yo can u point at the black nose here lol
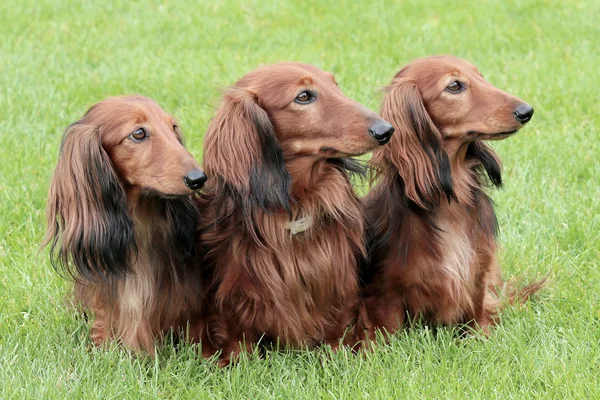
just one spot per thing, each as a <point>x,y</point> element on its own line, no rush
<point>382,131</point>
<point>523,113</point>
<point>195,179</point>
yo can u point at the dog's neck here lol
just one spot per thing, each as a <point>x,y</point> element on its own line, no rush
<point>154,226</point>
<point>143,209</point>
<point>305,173</point>
<point>146,214</point>
<point>464,177</point>
<point>319,189</point>
<point>456,149</point>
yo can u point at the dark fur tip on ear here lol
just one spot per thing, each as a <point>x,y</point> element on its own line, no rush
<point>270,181</point>
<point>489,161</point>
<point>89,228</point>
<point>274,197</point>
<point>103,248</point>
<point>445,175</point>
<point>96,252</point>
<point>111,236</point>
<point>431,140</point>
<point>416,150</point>
<point>242,152</point>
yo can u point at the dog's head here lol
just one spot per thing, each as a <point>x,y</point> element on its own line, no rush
<point>461,103</point>
<point>122,146</point>
<point>439,103</point>
<point>143,143</point>
<point>282,112</point>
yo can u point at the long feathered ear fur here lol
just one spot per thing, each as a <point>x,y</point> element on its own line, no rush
<point>416,149</point>
<point>241,149</point>
<point>88,227</point>
<point>489,161</point>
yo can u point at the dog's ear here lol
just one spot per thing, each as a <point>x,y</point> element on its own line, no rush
<point>489,160</point>
<point>415,150</point>
<point>241,149</point>
<point>88,227</point>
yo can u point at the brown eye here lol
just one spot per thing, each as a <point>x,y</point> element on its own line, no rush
<point>305,97</point>
<point>138,135</point>
<point>455,87</point>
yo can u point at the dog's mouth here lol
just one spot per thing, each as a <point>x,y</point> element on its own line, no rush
<point>156,194</point>
<point>491,136</point>
<point>331,152</point>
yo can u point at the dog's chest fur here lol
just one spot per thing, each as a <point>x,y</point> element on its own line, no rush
<point>436,277</point>
<point>310,281</point>
<point>297,287</point>
<point>457,248</point>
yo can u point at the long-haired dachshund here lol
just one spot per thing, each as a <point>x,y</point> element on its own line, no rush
<point>433,228</point>
<point>284,227</point>
<point>122,221</point>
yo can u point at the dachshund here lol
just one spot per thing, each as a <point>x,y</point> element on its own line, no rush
<point>432,228</point>
<point>283,227</point>
<point>122,222</point>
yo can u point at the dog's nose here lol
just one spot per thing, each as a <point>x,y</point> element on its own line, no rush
<point>195,179</point>
<point>382,131</point>
<point>523,113</point>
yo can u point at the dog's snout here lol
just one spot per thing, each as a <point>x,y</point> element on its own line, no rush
<point>523,113</point>
<point>382,131</point>
<point>195,179</point>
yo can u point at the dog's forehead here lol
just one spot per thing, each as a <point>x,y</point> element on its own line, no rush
<point>440,66</point>
<point>288,74</point>
<point>130,105</point>
<point>149,111</point>
<point>468,67</point>
<point>320,74</point>
<point>317,79</point>
<point>461,67</point>
<point>129,110</point>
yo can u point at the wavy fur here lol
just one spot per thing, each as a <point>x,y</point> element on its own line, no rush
<point>432,227</point>
<point>123,225</point>
<point>274,161</point>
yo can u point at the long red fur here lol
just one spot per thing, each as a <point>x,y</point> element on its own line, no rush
<point>433,248</point>
<point>122,223</point>
<point>274,161</point>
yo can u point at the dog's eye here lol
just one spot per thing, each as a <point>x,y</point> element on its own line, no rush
<point>305,97</point>
<point>138,135</point>
<point>455,87</point>
<point>175,127</point>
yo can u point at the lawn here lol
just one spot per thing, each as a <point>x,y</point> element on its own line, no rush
<point>57,58</point>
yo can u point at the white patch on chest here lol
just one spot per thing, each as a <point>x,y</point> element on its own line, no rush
<point>137,294</point>
<point>457,250</point>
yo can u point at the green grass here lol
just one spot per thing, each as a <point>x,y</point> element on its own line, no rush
<point>58,57</point>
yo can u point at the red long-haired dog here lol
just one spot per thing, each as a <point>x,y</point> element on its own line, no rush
<point>433,246</point>
<point>284,227</point>
<point>122,221</point>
